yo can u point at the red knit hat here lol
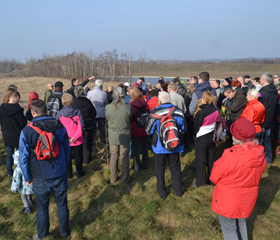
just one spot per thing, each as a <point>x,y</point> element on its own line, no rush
<point>136,85</point>
<point>243,129</point>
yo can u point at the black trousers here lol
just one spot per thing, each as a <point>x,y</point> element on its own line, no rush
<point>87,145</point>
<point>78,155</point>
<point>205,155</point>
<point>175,170</point>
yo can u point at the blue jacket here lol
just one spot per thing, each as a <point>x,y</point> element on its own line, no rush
<point>27,143</point>
<point>152,128</point>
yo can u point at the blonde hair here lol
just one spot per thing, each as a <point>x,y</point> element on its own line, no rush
<point>209,99</point>
<point>191,88</point>
<point>66,99</point>
<point>136,94</point>
<point>173,86</point>
<point>254,93</point>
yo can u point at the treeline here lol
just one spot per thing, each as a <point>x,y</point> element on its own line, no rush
<point>106,65</point>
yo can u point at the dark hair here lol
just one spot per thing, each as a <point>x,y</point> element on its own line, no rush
<point>164,87</point>
<point>257,79</point>
<point>12,87</point>
<point>181,86</point>
<point>73,80</point>
<point>15,94</point>
<point>121,85</point>
<point>205,76</point>
<point>154,93</point>
<point>58,88</point>
<point>38,106</point>
<point>175,80</point>
<point>142,78</point>
<point>218,82</point>
<point>194,78</point>
<point>246,76</point>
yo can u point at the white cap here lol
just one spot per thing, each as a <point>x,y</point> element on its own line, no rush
<point>127,84</point>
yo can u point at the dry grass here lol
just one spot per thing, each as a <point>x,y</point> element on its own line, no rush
<point>99,210</point>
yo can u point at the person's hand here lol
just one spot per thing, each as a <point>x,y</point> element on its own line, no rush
<point>72,140</point>
<point>91,78</point>
<point>224,100</point>
<point>30,182</point>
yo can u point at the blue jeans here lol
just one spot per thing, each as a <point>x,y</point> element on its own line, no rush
<point>9,162</point>
<point>265,141</point>
<point>42,191</point>
<point>234,228</point>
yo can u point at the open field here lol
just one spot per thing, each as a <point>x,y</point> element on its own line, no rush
<point>99,210</point>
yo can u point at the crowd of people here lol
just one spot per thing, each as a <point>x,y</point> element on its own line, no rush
<point>164,118</point>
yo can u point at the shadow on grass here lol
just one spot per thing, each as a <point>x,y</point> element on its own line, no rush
<point>268,188</point>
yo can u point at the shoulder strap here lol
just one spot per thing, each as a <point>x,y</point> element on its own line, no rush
<point>38,130</point>
<point>170,113</point>
<point>74,120</point>
<point>172,110</point>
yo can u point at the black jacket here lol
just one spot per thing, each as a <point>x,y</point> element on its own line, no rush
<point>72,88</point>
<point>12,122</point>
<point>87,109</point>
<point>269,100</point>
<point>236,105</point>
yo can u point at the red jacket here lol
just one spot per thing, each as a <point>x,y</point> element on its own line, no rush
<point>135,130</point>
<point>255,113</point>
<point>237,175</point>
<point>153,103</point>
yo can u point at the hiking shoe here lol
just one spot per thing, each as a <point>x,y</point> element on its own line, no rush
<point>27,211</point>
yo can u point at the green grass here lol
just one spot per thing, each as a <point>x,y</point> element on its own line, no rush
<point>99,210</point>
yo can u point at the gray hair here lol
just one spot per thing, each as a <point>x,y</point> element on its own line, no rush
<point>277,74</point>
<point>98,83</point>
<point>79,91</point>
<point>118,96</point>
<point>268,77</point>
<point>164,97</point>
<point>240,142</point>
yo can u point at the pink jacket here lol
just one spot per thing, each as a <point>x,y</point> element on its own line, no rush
<point>72,120</point>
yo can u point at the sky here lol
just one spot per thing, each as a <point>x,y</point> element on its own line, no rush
<point>158,29</point>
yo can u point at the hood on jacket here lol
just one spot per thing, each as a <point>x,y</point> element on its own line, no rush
<point>204,86</point>
<point>16,157</point>
<point>32,96</point>
<point>140,103</point>
<point>68,111</point>
<point>10,109</point>
<point>47,123</point>
<point>270,88</point>
<point>251,154</point>
<point>238,91</point>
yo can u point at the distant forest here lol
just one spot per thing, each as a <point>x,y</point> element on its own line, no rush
<point>111,65</point>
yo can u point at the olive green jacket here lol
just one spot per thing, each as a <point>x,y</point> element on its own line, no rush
<point>119,123</point>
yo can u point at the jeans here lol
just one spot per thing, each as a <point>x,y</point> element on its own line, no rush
<point>101,128</point>
<point>266,142</point>
<point>42,190</point>
<point>234,228</point>
<point>9,162</point>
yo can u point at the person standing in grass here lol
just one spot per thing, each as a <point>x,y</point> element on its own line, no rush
<point>47,177</point>
<point>12,122</point>
<point>48,92</point>
<point>237,175</point>
<point>118,115</point>
<point>161,153</point>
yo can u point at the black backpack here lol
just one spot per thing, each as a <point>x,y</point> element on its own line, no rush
<point>53,106</point>
<point>142,116</point>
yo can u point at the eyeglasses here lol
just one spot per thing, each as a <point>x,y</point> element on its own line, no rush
<point>275,77</point>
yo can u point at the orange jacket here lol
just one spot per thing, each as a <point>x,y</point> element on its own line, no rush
<point>255,113</point>
<point>237,175</point>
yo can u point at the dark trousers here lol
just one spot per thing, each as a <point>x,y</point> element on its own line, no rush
<point>42,190</point>
<point>135,151</point>
<point>101,128</point>
<point>205,155</point>
<point>188,136</point>
<point>175,170</point>
<point>87,145</point>
<point>78,155</point>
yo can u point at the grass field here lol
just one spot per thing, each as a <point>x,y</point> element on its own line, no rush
<point>99,210</point>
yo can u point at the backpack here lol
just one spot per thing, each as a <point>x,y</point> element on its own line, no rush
<point>168,130</point>
<point>220,130</point>
<point>142,116</point>
<point>53,106</point>
<point>46,147</point>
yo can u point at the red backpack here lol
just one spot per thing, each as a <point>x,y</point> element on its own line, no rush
<point>46,148</point>
<point>168,130</point>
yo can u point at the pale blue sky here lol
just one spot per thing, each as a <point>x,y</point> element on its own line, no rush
<point>184,30</point>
